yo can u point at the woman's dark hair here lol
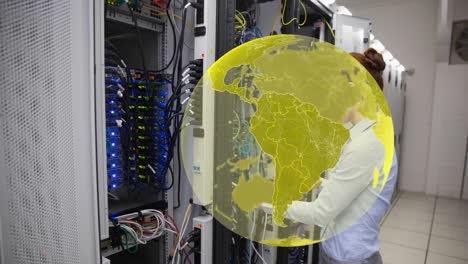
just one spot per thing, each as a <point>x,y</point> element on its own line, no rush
<point>373,62</point>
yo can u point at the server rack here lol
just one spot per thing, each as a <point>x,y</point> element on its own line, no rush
<point>225,42</point>
<point>130,96</point>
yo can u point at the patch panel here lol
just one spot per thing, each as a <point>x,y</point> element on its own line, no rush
<point>148,153</point>
<point>114,141</point>
<point>150,14</point>
<point>136,132</point>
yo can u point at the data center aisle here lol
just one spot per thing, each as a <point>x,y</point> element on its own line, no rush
<point>423,229</point>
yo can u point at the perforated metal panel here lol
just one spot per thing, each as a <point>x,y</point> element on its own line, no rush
<point>38,207</point>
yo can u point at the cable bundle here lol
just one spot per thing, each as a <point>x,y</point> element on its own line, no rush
<point>139,228</point>
<point>181,78</point>
<point>246,30</point>
<point>136,125</point>
<point>180,242</point>
<point>117,78</point>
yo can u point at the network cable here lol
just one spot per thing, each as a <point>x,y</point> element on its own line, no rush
<point>294,18</point>
<point>143,226</point>
<point>135,122</point>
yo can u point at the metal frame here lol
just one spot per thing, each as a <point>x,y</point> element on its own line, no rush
<point>320,7</point>
<point>225,28</point>
<point>100,118</point>
<point>87,208</point>
<point>168,195</point>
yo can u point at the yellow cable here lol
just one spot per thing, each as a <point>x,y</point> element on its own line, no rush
<point>242,17</point>
<point>184,222</point>
<point>282,15</point>
<point>240,21</point>
<point>329,27</point>
<point>294,18</point>
<point>305,13</point>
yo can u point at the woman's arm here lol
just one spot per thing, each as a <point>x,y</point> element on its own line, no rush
<point>350,177</point>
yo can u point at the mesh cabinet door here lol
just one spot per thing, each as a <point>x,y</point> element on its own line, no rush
<point>48,209</point>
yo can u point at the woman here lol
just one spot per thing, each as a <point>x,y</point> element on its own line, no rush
<point>338,209</point>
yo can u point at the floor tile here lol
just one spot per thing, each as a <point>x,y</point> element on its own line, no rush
<point>406,223</point>
<point>452,207</point>
<point>452,202</point>
<point>426,207</point>
<point>450,232</point>
<point>451,220</point>
<point>448,247</point>
<point>454,211</point>
<point>433,258</point>
<point>404,237</point>
<point>413,214</point>
<point>397,254</point>
<point>415,203</point>
<point>405,231</point>
<point>417,196</point>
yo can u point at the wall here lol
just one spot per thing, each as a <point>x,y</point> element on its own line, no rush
<point>449,131</point>
<point>407,29</point>
<point>461,10</point>
<point>450,115</point>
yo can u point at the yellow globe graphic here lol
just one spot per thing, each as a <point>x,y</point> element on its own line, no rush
<point>279,107</point>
